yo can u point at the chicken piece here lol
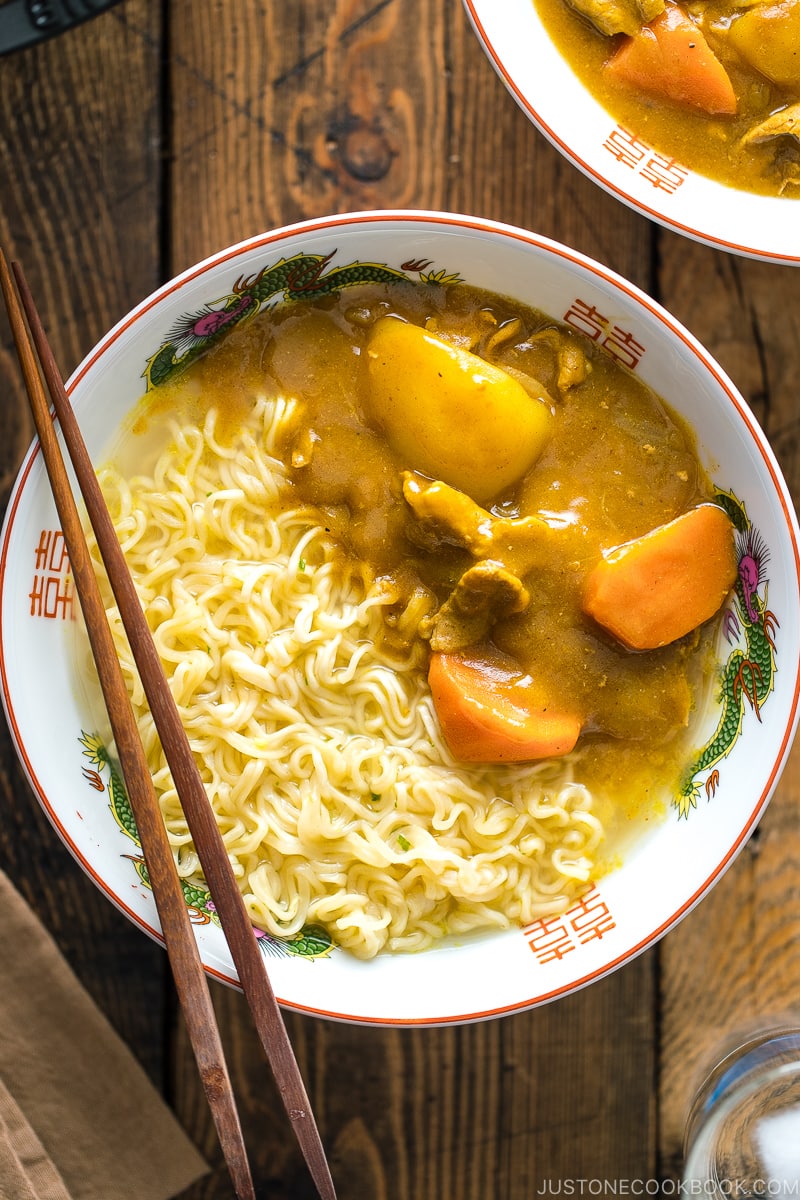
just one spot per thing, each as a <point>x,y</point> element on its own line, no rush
<point>484,593</point>
<point>573,366</point>
<point>618,16</point>
<point>454,515</point>
<point>785,123</point>
<point>790,174</point>
<point>506,549</point>
<point>519,543</point>
<point>782,128</point>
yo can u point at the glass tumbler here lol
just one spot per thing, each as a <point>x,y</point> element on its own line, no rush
<point>743,1129</point>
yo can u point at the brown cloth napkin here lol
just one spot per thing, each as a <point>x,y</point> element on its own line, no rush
<point>79,1119</point>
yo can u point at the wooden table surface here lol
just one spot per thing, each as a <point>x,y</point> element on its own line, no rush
<point>156,134</point>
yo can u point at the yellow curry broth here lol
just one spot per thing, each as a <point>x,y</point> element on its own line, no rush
<point>617,464</point>
<point>714,146</point>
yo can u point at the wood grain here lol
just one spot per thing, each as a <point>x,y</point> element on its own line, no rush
<point>79,208</point>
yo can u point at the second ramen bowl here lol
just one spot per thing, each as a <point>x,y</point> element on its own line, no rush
<point>745,735</point>
<point>620,156</point>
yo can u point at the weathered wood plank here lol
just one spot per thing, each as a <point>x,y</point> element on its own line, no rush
<point>79,209</point>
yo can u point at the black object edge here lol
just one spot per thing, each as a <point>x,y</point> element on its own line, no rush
<point>26,22</point>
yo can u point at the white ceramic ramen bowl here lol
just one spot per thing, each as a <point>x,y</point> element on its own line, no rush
<point>618,158</point>
<point>667,870</point>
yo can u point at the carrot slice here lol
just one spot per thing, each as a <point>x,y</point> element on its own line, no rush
<point>490,714</point>
<point>671,58</point>
<point>655,589</point>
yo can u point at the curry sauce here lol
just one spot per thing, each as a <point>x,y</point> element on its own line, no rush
<point>615,463</point>
<point>755,147</point>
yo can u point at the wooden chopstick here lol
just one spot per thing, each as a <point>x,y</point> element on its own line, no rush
<point>187,968</point>
<point>199,815</point>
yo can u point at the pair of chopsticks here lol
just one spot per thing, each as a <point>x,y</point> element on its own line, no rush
<point>190,979</point>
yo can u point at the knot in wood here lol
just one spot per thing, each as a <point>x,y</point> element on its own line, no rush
<point>366,154</point>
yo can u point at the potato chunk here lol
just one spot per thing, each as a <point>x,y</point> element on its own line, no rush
<point>768,37</point>
<point>451,415</point>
